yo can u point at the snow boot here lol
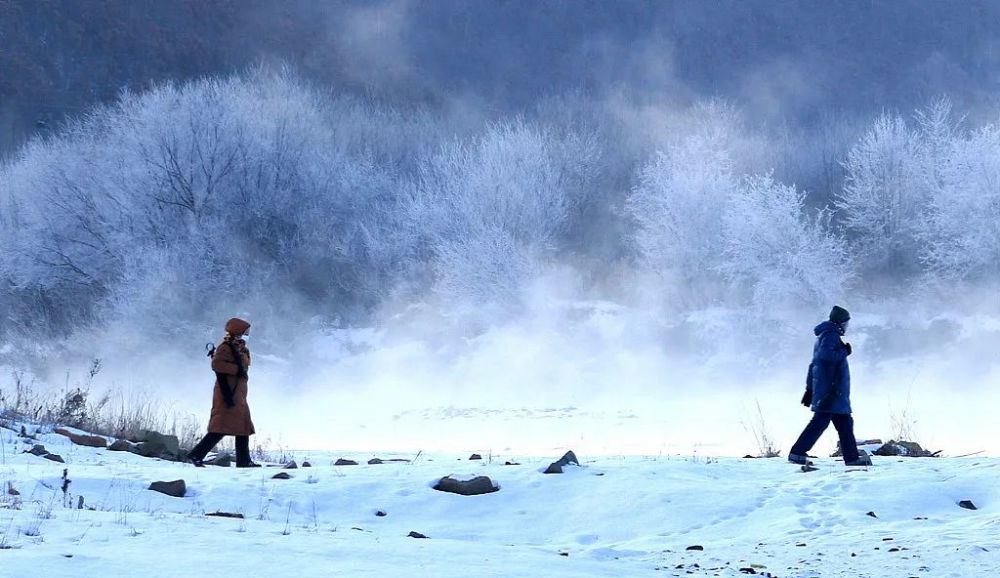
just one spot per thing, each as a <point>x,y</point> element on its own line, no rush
<point>797,459</point>
<point>863,460</point>
<point>247,465</point>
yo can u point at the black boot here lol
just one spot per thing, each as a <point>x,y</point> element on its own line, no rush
<point>196,455</point>
<point>243,453</point>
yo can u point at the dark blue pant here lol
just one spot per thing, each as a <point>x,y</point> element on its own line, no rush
<point>820,421</point>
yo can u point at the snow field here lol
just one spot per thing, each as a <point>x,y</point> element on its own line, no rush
<point>624,516</point>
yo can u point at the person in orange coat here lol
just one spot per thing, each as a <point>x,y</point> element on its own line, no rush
<point>230,411</point>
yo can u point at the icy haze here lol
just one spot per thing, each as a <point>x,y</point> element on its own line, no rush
<point>524,225</point>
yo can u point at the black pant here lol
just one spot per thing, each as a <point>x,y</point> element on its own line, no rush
<point>815,428</point>
<point>208,442</point>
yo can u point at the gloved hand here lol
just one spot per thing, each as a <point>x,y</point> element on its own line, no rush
<point>849,349</point>
<point>807,397</point>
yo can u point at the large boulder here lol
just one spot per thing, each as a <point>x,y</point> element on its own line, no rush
<point>154,444</point>
<point>902,448</point>
<point>345,462</point>
<point>474,487</point>
<point>556,467</point>
<point>176,488</point>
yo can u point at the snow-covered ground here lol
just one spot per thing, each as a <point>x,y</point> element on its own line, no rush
<point>614,516</point>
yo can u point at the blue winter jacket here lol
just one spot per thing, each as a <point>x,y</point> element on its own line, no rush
<point>829,375</point>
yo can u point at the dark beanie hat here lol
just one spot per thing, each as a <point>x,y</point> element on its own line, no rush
<point>839,315</point>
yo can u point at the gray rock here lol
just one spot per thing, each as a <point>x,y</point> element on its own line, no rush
<point>155,444</point>
<point>968,505</point>
<point>696,548</point>
<point>343,462</point>
<point>557,466</point>
<point>281,476</point>
<point>38,450</point>
<point>417,535</point>
<point>176,488</point>
<point>306,465</point>
<point>474,487</point>
<point>55,458</point>
<point>475,457</point>
<point>903,448</point>
<point>374,462</point>
<point>291,465</point>
<point>223,460</point>
<point>224,515</point>
<point>119,446</point>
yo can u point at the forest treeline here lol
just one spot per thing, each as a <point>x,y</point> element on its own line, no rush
<point>261,191</point>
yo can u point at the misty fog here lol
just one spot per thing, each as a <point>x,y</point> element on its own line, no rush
<point>520,226</point>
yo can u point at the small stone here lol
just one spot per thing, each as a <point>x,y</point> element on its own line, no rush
<point>306,465</point>
<point>511,464</point>
<point>967,504</point>
<point>224,515</point>
<point>475,457</point>
<point>380,514</point>
<point>54,458</point>
<point>416,535</point>
<point>291,465</point>
<point>872,514</point>
<point>695,548</point>
<point>281,476</point>
<point>374,462</point>
<point>176,488</point>
<point>748,571</point>
<point>343,462</point>
<point>564,554</point>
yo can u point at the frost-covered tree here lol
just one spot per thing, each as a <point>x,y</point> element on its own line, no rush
<point>679,202</point>
<point>256,188</point>
<point>884,199</point>
<point>776,250</point>
<point>492,209</point>
<point>963,231</point>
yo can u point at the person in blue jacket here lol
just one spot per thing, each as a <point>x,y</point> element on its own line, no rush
<point>828,392</point>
